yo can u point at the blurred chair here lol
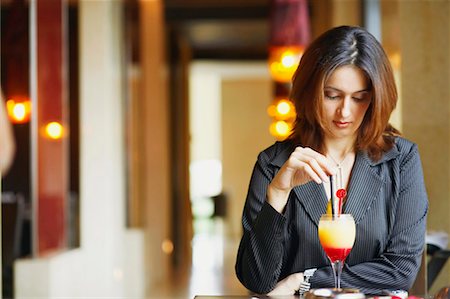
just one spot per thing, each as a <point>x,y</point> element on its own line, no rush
<point>437,259</point>
<point>73,220</point>
<point>419,287</point>
<point>220,205</point>
<point>13,216</point>
<point>433,261</point>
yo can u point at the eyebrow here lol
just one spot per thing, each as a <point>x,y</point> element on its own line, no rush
<point>338,90</point>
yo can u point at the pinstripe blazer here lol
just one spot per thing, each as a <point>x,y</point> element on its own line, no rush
<point>387,199</point>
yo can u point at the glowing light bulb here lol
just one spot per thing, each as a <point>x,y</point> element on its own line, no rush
<point>288,59</point>
<point>283,62</point>
<point>280,129</point>
<point>18,110</point>
<point>54,130</point>
<point>167,246</point>
<point>283,107</point>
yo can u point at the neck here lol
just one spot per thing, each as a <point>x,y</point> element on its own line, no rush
<point>339,148</point>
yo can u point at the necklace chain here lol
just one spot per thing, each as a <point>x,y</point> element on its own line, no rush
<point>340,175</point>
<point>339,165</point>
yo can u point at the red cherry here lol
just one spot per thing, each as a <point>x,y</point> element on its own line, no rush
<point>341,193</point>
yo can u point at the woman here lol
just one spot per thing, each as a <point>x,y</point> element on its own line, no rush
<point>344,92</point>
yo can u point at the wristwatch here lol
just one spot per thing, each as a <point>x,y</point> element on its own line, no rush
<point>305,285</point>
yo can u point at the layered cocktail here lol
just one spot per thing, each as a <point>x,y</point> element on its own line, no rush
<point>337,235</point>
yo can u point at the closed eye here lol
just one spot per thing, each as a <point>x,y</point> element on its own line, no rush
<point>361,99</point>
<point>361,96</point>
<point>332,97</point>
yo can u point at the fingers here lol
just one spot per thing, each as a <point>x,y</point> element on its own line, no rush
<point>315,165</point>
<point>304,165</point>
<point>313,170</point>
<point>325,164</point>
<point>288,286</point>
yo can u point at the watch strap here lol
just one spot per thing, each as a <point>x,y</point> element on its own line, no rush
<point>305,285</point>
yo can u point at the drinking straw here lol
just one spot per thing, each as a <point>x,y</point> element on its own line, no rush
<point>333,213</point>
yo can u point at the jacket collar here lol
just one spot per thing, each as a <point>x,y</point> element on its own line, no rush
<point>364,186</point>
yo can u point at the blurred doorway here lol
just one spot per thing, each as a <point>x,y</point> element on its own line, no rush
<point>228,128</point>
<point>230,41</point>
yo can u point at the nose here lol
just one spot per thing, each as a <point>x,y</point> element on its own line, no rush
<point>344,109</point>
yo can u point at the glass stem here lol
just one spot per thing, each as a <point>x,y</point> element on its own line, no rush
<point>337,270</point>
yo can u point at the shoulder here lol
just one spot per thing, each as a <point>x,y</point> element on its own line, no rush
<point>403,153</point>
<point>407,149</point>
<point>402,150</point>
<point>404,146</point>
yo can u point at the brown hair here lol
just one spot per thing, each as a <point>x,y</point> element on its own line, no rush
<point>337,47</point>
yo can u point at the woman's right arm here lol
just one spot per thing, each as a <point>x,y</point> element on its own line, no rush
<point>258,264</point>
<point>260,253</point>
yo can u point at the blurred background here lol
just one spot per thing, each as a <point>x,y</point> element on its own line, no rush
<point>137,123</point>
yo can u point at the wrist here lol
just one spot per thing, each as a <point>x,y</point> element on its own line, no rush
<point>309,273</point>
<point>277,198</point>
<point>305,285</point>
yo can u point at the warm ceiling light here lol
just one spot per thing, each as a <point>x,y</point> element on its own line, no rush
<point>289,35</point>
<point>19,110</point>
<point>280,129</point>
<point>167,246</point>
<point>54,130</point>
<point>283,62</point>
<point>282,109</point>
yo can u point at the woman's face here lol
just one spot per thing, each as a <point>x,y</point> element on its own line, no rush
<point>347,96</point>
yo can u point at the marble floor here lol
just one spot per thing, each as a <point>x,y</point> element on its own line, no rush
<point>212,270</point>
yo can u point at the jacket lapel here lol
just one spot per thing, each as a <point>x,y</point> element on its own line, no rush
<point>364,187</point>
<point>313,198</point>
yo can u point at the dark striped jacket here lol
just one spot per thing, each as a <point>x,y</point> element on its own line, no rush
<point>387,199</point>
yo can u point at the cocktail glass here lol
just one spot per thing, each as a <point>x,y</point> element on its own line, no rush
<point>337,235</point>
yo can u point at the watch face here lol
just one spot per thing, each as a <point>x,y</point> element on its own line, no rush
<point>309,272</point>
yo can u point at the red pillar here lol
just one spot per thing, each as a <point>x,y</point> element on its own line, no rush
<point>49,154</point>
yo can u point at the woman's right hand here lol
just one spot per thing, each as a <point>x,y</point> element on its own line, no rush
<point>304,165</point>
<point>288,286</point>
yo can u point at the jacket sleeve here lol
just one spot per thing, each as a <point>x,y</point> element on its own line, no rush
<point>260,253</point>
<point>399,264</point>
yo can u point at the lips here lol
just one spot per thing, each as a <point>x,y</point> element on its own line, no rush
<point>342,124</point>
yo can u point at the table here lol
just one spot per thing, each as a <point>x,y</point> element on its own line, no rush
<point>247,297</point>
<point>436,263</point>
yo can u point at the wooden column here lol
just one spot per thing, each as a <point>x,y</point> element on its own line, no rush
<point>425,48</point>
<point>182,226</point>
<point>49,152</point>
<point>155,127</point>
<point>326,14</point>
<point>390,32</point>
